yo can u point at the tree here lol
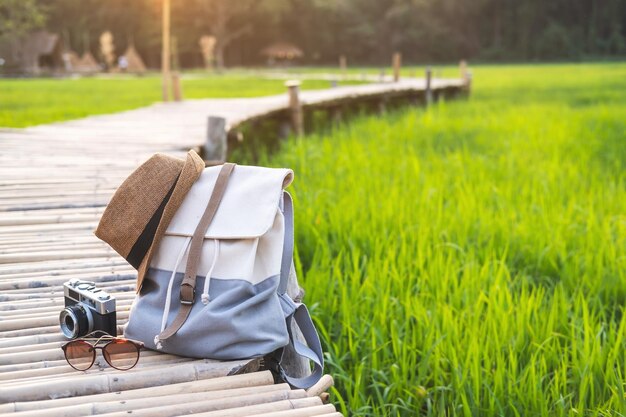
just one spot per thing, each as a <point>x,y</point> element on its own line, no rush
<point>225,21</point>
<point>18,17</point>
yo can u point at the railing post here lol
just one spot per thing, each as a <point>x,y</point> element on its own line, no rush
<point>343,65</point>
<point>468,83</point>
<point>397,62</point>
<point>466,77</point>
<point>382,105</point>
<point>336,116</point>
<point>463,71</point>
<point>216,144</point>
<point>429,89</point>
<point>295,107</point>
<point>165,54</point>
<point>176,87</point>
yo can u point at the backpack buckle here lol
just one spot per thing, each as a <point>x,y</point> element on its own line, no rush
<point>187,293</point>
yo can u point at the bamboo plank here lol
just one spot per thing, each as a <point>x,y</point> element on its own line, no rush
<point>264,408</point>
<point>205,385</point>
<point>122,381</point>
<point>42,321</point>
<point>321,386</point>
<point>31,340</point>
<point>93,408</point>
<point>25,373</point>
<point>318,410</point>
<point>122,305</point>
<point>211,405</point>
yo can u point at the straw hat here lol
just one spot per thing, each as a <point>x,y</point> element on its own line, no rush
<point>143,206</point>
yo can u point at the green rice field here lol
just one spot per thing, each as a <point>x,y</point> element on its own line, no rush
<point>27,102</point>
<point>470,260</point>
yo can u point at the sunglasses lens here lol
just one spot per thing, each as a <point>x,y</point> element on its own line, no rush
<point>121,354</point>
<point>80,355</point>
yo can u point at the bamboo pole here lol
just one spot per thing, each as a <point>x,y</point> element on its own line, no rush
<point>53,357</point>
<point>99,274</point>
<point>463,71</point>
<point>396,63</point>
<point>121,381</point>
<point>127,294</point>
<point>321,386</point>
<point>212,405</point>
<point>325,397</point>
<point>216,145</point>
<point>102,277</point>
<point>61,368</point>
<point>34,310</point>
<point>343,66</point>
<point>122,305</point>
<point>29,348</point>
<point>42,321</point>
<point>165,58</point>
<point>263,408</point>
<point>43,256</point>
<point>176,86</point>
<point>29,332</point>
<point>429,89</point>
<point>31,340</point>
<point>222,383</point>
<point>295,107</point>
<point>93,408</point>
<point>317,410</point>
<point>60,265</point>
<point>124,284</point>
<point>147,359</point>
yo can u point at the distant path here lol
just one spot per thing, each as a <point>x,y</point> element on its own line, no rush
<point>55,181</point>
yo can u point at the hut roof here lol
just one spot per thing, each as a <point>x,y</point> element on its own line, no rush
<point>71,60</point>
<point>23,53</point>
<point>41,42</point>
<point>135,63</point>
<point>282,50</point>
<point>74,63</point>
<point>89,62</point>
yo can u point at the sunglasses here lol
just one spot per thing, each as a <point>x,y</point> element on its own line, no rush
<point>121,354</point>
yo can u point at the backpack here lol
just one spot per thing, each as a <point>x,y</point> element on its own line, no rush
<point>217,283</point>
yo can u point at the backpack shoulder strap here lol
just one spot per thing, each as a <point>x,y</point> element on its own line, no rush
<point>312,350</point>
<point>285,266</point>
<point>188,286</point>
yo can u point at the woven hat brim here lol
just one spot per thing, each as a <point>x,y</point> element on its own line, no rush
<point>194,165</point>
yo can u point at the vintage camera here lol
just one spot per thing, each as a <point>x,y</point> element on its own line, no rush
<point>87,309</point>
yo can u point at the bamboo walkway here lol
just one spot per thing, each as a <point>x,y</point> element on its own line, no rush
<point>55,181</point>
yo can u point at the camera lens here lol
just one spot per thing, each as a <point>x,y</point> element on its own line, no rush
<point>75,321</point>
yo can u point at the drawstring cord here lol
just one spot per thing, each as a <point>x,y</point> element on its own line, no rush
<point>205,292</point>
<point>168,298</point>
<point>207,280</point>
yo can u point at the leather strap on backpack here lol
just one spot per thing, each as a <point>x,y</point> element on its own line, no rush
<point>188,286</point>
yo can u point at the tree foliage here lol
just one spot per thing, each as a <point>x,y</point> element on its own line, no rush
<point>366,31</point>
<point>18,17</point>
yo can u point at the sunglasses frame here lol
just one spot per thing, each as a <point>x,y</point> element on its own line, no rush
<point>93,347</point>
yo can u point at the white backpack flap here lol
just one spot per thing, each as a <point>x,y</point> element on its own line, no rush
<point>240,309</point>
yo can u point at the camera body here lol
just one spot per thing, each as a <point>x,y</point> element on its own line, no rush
<point>87,309</point>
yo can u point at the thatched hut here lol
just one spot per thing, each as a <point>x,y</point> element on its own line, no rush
<point>33,53</point>
<point>88,64</point>
<point>70,60</point>
<point>83,65</point>
<point>134,63</point>
<point>282,52</point>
